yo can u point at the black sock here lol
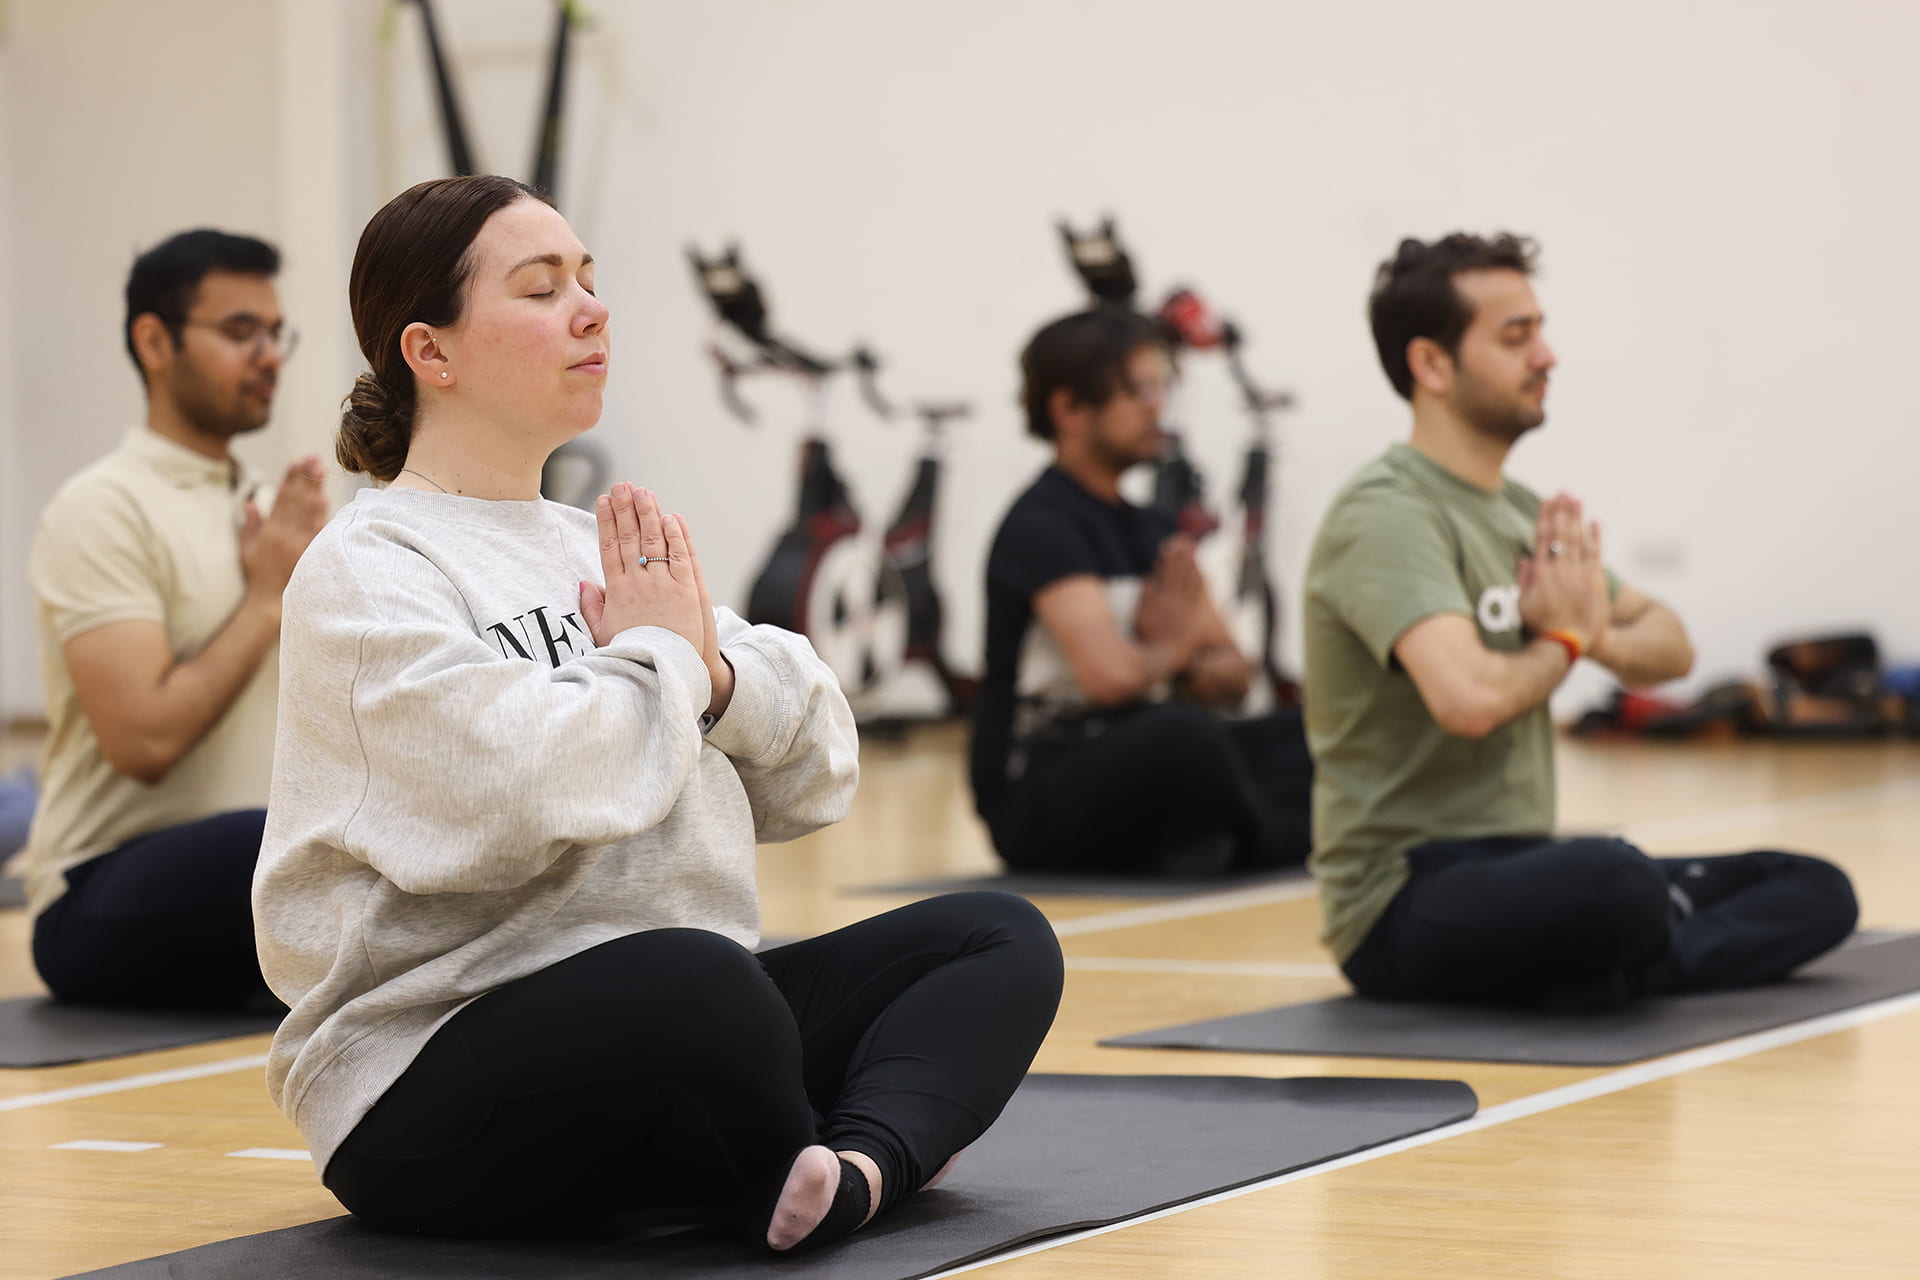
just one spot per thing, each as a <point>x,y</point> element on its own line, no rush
<point>851,1199</point>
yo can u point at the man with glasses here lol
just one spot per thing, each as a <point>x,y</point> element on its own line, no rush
<point>159,579</point>
<point>1097,740</point>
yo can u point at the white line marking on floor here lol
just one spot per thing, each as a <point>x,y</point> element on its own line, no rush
<point>1520,1108</point>
<point>1205,904</point>
<point>270,1153</point>
<point>1214,968</point>
<point>147,1080</point>
<point>1235,899</point>
<point>104,1144</point>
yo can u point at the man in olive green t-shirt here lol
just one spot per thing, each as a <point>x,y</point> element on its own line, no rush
<point>1444,604</point>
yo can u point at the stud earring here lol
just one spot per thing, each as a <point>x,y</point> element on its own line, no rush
<point>443,373</point>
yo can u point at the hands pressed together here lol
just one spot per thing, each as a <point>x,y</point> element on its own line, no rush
<point>1172,609</point>
<point>272,544</point>
<point>1563,584</point>
<point>653,579</point>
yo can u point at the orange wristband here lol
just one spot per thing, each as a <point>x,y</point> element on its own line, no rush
<point>1566,640</point>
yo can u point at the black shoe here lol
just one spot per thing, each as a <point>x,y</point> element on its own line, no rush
<point>1698,883</point>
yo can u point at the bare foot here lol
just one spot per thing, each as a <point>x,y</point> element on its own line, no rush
<point>805,1198</point>
<point>865,1164</point>
<point>945,1169</point>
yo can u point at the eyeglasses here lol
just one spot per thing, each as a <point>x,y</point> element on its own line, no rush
<point>1151,391</point>
<point>253,334</point>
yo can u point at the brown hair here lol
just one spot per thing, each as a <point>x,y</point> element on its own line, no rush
<point>1414,296</point>
<point>413,264</point>
<point>1087,353</point>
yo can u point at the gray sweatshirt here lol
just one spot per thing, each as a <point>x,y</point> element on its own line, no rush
<point>466,790</point>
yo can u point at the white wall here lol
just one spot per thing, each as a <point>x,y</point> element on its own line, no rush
<point>1725,192</point>
<point>120,124</point>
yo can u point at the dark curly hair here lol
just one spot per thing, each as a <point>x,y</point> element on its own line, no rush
<point>1414,295</point>
<point>1087,353</point>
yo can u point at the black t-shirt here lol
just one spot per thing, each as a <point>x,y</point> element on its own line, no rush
<point>1055,530</point>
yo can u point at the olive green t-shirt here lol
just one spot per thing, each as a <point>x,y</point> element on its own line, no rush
<point>1407,540</point>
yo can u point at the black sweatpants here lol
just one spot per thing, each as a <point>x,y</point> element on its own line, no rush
<point>1591,922</point>
<point>1170,788</point>
<point>165,920</point>
<point>674,1068</point>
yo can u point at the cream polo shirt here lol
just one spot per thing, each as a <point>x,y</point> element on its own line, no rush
<point>148,533</point>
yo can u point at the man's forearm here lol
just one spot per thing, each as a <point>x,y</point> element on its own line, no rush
<point>194,694</point>
<point>1472,690</point>
<point>1513,684</point>
<point>1649,650</point>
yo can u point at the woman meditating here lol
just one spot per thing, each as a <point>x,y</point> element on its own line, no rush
<point>507,885</point>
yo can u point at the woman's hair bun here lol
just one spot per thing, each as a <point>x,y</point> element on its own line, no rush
<point>376,426</point>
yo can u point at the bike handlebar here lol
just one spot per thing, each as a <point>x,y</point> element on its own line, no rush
<point>730,374</point>
<point>938,413</point>
<point>740,305</point>
<point>867,366</point>
<point>1258,401</point>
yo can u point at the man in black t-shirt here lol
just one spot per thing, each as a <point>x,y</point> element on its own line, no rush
<point>1097,743</point>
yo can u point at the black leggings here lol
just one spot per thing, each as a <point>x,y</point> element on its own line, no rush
<point>674,1068</point>
<point>1592,922</point>
<point>165,920</point>
<point>1164,789</point>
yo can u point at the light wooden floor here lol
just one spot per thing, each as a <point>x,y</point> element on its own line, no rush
<point>1796,1156</point>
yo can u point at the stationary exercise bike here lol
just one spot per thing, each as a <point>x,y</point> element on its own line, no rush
<point>1250,604</point>
<point>823,579</point>
<point>909,549</point>
<point>578,471</point>
<point>871,612</point>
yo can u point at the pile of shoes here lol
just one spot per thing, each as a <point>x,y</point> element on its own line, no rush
<point>1822,687</point>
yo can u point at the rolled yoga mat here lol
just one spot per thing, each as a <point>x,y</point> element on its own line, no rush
<point>1070,1152</point>
<point>38,1032</point>
<point>1871,966</point>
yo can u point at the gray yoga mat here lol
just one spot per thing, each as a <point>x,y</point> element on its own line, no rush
<point>1870,967</point>
<point>13,893</point>
<point>38,1032</point>
<point>1038,884</point>
<point>1070,1152</point>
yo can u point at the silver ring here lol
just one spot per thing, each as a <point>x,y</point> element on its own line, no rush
<point>644,561</point>
<point>1554,549</point>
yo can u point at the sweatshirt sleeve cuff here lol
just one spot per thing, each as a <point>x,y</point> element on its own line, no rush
<point>671,653</point>
<point>750,726</point>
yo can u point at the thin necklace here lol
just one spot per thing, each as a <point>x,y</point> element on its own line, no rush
<point>409,471</point>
